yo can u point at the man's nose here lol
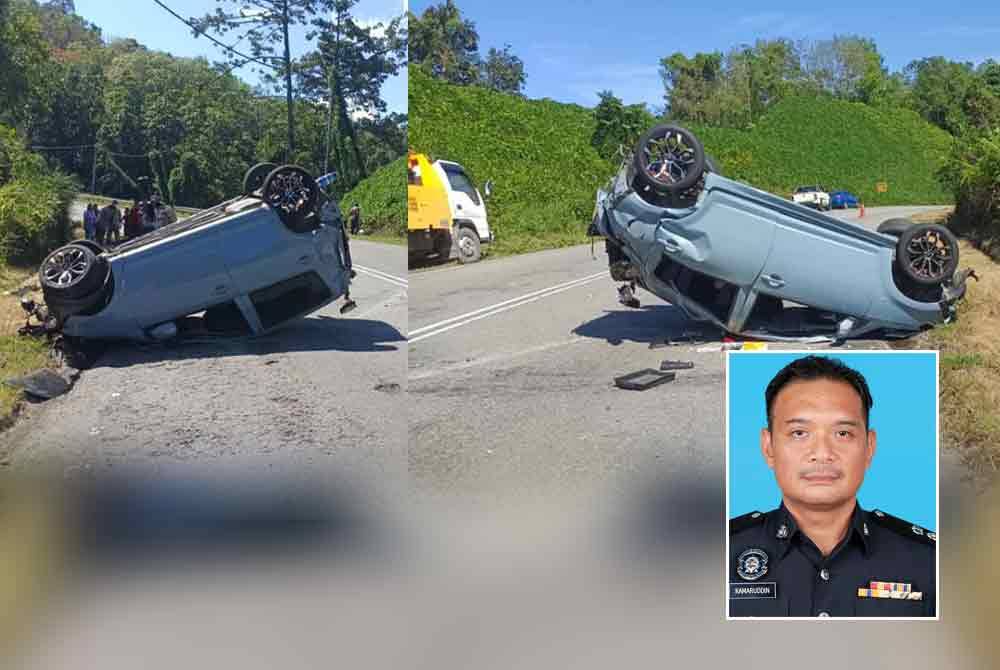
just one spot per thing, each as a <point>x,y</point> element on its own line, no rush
<point>822,449</point>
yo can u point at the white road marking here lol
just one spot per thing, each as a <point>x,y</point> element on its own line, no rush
<point>491,360</point>
<point>492,310</point>
<point>384,276</point>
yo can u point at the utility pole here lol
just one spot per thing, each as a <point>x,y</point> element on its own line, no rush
<point>288,82</point>
<point>93,172</point>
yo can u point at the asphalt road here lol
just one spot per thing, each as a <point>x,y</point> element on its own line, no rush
<point>325,390</point>
<point>511,368</point>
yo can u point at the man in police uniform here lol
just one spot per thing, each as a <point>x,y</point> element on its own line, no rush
<point>819,554</point>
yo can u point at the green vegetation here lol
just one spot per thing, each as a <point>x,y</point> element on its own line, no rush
<point>34,202</point>
<point>839,144</point>
<point>546,169</point>
<point>382,201</point>
<point>973,173</point>
<point>18,356</point>
<point>537,152</point>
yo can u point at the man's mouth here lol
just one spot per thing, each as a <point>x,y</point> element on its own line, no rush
<point>821,477</point>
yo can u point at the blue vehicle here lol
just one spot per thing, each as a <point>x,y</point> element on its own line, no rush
<point>843,200</point>
<point>245,266</point>
<point>757,265</point>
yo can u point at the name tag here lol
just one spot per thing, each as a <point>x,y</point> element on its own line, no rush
<point>745,591</point>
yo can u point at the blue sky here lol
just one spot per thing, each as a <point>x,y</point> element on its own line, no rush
<point>152,26</point>
<point>572,49</point>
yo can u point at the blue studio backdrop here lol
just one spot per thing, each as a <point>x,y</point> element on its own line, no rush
<point>902,479</point>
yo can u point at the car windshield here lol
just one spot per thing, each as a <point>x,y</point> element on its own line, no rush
<point>806,189</point>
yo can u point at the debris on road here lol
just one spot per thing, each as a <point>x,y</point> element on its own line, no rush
<point>388,388</point>
<point>46,383</point>
<point>643,379</point>
<point>675,365</point>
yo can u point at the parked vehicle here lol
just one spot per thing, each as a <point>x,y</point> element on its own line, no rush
<point>250,264</point>
<point>754,264</point>
<point>843,200</point>
<point>446,215</point>
<point>812,196</point>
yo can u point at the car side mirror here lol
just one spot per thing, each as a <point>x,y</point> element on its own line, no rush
<point>488,188</point>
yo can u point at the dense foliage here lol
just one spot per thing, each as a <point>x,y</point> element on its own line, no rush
<point>34,202</point>
<point>547,158</point>
<point>190,126</point>
<point>537,152</point>
<point>382,200</point>
<point>973,172</point>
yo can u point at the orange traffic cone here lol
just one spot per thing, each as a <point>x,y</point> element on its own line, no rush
<point>861,212</point>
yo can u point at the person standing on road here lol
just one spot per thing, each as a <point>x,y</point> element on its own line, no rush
<point>105,219</point>
<point>114,228</point>
<point>149,215</point>
<point>133,227</point>
<point>90,222</point>
<point>355,219</point>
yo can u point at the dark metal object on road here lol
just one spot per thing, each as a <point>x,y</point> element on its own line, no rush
<point>643,379</point>
<point>45,383</point>
<point>676,365</point>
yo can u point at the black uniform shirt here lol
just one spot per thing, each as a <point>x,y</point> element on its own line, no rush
<point>775,570</point>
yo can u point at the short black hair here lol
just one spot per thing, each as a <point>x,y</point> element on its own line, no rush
<point>809,368</point>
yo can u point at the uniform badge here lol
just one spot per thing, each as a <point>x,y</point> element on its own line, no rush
<point>782,532</point>
<point>752,564</point>
<point>893,590</point>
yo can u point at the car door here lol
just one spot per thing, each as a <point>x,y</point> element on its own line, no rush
<point>463,197</point>
<point>820,267</point>
<point>179,275</point>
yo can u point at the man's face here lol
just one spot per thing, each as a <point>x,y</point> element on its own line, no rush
<point>819,448</point>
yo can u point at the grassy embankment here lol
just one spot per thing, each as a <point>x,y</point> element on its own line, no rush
<point>546,172</point>
<point>382,198</point>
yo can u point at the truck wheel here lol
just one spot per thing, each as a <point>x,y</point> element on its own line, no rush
<point>72,272</point>
<point>291,192</point>
<point>468,246</point>
<point>894,227</point>
<point>927,254</point>
<point>668,160</point>
<point>254,177</point>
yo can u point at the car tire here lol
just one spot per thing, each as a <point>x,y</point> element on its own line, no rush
<point>469,249</point>
<point>668,160</point>
<point>927,254</point>
<point>291,192</point>
<point>72,272</point>
<point>253,180</point>
<point>894,227</point>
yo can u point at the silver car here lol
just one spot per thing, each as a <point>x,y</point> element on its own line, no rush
<point>757,265</point>
<point>245,266</point>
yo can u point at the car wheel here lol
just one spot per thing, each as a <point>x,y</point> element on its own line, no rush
<point>927,253</point>
<point>668,160</point>
<point>291,192</point>
<point>894,227</point>
<point>254,177</point>
<point>72,272</point>
<point>468,246</point>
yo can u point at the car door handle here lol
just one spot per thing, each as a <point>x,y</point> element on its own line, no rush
<point>774,281</point>
<point>305,260</point>
<point>671,246</point>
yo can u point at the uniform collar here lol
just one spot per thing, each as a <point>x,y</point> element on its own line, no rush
<point>783,529</point>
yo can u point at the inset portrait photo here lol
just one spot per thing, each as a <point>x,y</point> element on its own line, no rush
<point>832,484</point>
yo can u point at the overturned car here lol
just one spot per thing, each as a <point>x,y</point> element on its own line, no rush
<point>756,265</point>
<point>245,266</point>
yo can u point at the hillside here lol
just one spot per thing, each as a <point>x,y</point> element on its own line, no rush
<point>382,199</point>
<point>546,172</point>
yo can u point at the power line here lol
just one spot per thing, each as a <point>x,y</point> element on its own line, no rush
<point>199,31</point>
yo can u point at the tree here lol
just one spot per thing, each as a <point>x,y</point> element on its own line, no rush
<point>444,44</point>
<point>502,71</point>
<point>348,69</point>
<point>938,88</point>
<point>690,84</point>
<point>270,22</point>
<point>617,125</point>
<point>848,67</point>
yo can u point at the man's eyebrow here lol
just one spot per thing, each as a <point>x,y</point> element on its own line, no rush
<point>841,422</point>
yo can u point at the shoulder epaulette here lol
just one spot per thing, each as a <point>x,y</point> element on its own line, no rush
<point>741,523</point>
<point>904,528</point>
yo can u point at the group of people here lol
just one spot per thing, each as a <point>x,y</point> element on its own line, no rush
<point>108,226</point>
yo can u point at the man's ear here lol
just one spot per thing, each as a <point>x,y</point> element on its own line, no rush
<point>766,448</point>
<point>870,449</point>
